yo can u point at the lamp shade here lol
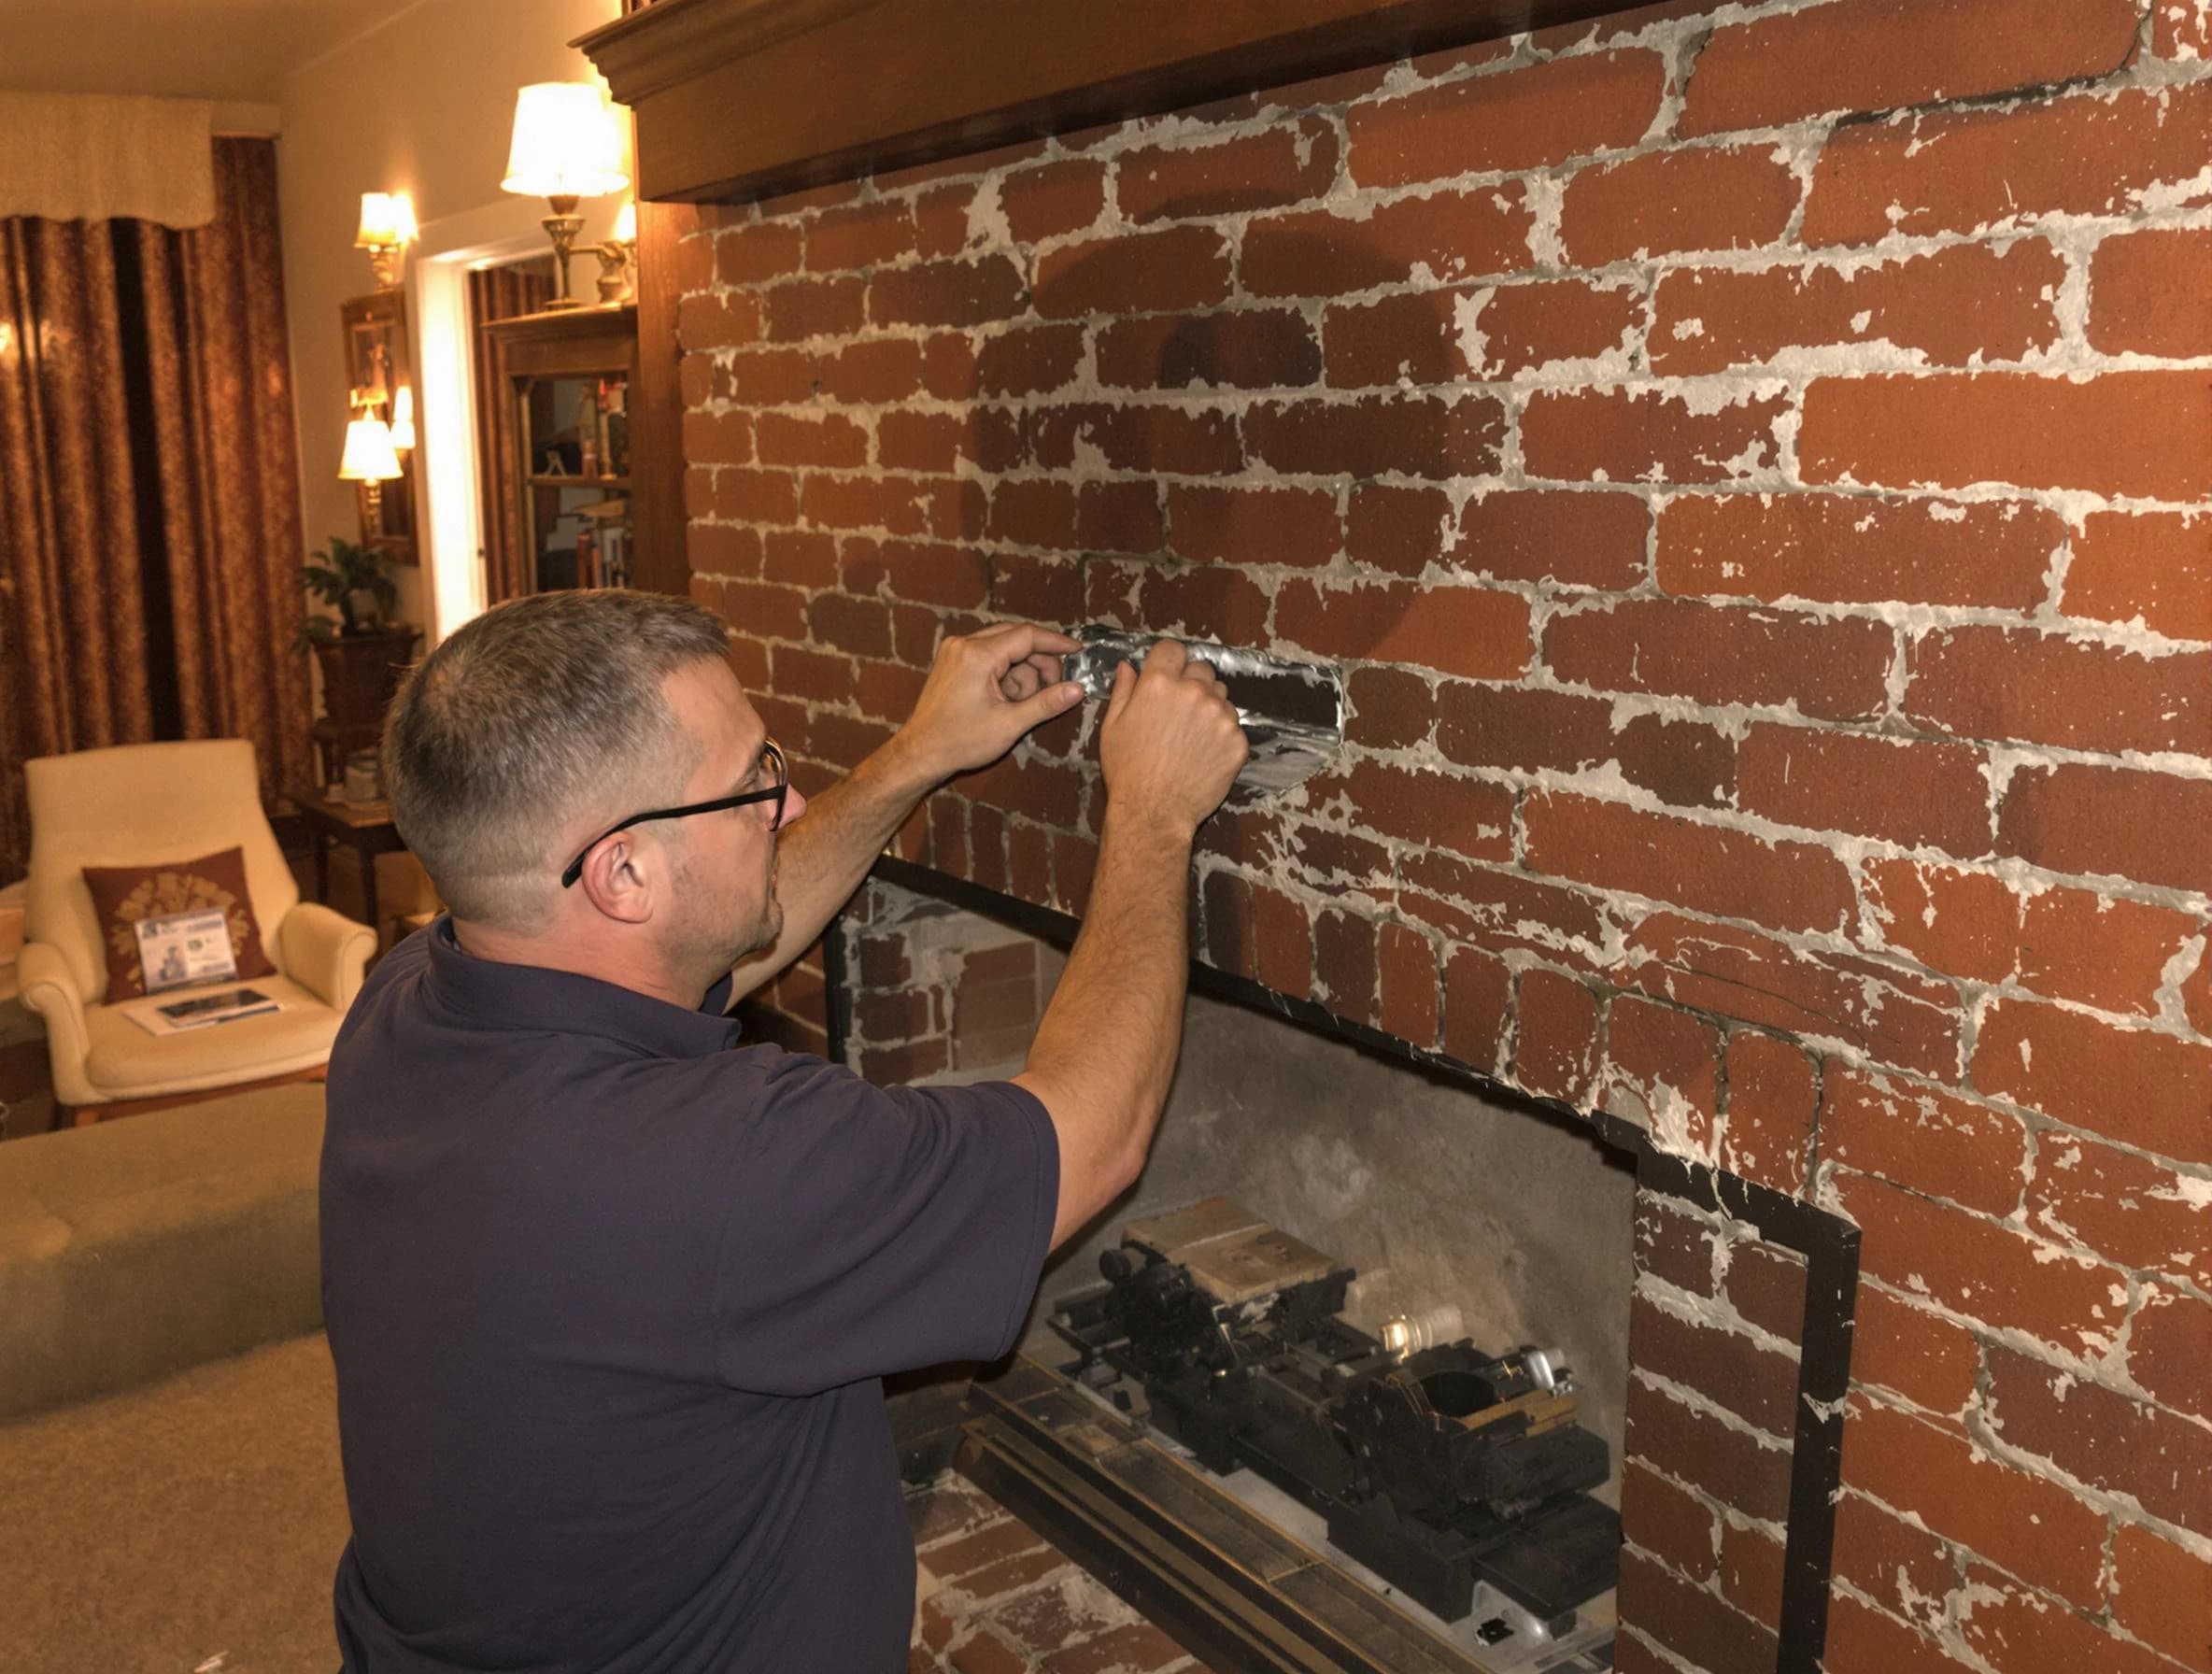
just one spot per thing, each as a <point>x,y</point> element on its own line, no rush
<point>402,417</point>
<point>626,223</point>
<point>368,453</point>
<point>566,143</point>
<point>387,218</point>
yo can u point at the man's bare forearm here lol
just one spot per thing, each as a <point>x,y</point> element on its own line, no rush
<point>1104,1054</point>
<point>821,860</point>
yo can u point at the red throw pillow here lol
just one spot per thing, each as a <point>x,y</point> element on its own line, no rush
<point>123,895</point>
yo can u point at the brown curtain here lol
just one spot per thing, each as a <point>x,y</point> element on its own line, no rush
<point>150,519</point>
<point>500,293</point>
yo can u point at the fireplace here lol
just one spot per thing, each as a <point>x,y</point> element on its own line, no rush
<point>1751,463</point>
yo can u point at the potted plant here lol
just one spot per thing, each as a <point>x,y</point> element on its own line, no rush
<point>356,580</point>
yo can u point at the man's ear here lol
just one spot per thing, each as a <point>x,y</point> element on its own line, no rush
<point>621,877</point>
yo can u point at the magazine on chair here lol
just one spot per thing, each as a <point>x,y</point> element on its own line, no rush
<point>200,1011</point>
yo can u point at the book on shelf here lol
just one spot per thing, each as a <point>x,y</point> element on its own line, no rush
<point>200,1011</point>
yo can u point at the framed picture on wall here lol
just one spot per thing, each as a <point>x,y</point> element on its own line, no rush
<point>381,383</point>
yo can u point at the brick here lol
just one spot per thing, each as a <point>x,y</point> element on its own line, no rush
<point>860,236</point>
<point>1476,1001</point>
<point>2113,955</point>
<point>942,220</point>
<point>1132,1648</point>
<point>2077,819</point>
<point>1399,531</point>
<point>895,1066</point>
<point>988,438</point>
<point>2102,1437</point>
<point>1774,1095</point>
<point>872,373</point>
<point>1255,525</point>
<point>1026,590</point>
<point>729,320</point>
<point>2129,1209</point>
<point>1133,273</point>
<point>756,496</point>
<point>2160,1596</point>
<point>1856,549</point>
<point>1765,1284</point>
<point>1102,516</point>
<point>1751,1572</point>
<point>1641,433</point>
<point>1523,118</point>
<point>1212,602</point>
<point>2008,683</point>
<point>929,573</point>
<point>1695,1448</point>
<point>1889,53</point>
<point>1452,236</point>
<point>1268,170</point>
<point>1901,1566</point>
<point>1606,29</point>
<point>1684,762</point>
<point>898,506</point>
<point>1226,914</point>
<point>1674,1245</point>
<point>2124,434</point>
<point>1283,941</point>
<point>771,378</point>
<point>767,250</point>
<point>2033,1526</point>
<point>2017,1631</point>
<point>1243,349</point>
<point>721,549</point>
<point>1883,1012</point>
<point>2152,568</point>
<point>1967,304</point>
<point>1387,708</point>
<point>1522,729</point>
<point>1664,858</point>
<point>971,292</point>
<point>1909,792</point>
<point>763,611</point>
<point>1155,440</point>
<point>1993,170</point>
<point>860,626</point>
<point>1976,1267</point>
<point>1411,436</point>
<point>1407,964</point>
<point>1898,1345</point>
<point>1435,337</point>
<point>2181,29</point>
<point>2145,291</point>
<point>887,692</point>
<point>1566,537</point>
<point>2136,1086</point>
<point>1471,632</point>
<point>1700,1627</point>
<point>827,439</point>
<point>2170,1349</point>
<point>802,308</point>
<point>1831,668</point>
<point>1701,198</point>
<point>1862,1640</point>
<point>1344,964</point>
<point>1052,199</point>
<point>1925,1139</point>
<point>1665,1064</point>
<point>1334,862</point>
<point>1673,1526</point>
<point>1439,810</point>
<point>1499,908</point>
<point>1758,1385</point>
<point>1029,360</point>
<point>1959,922</point>
<point>1555,1037</point>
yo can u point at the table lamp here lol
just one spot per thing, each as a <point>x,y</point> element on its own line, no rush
<point>370,459</point>
<point>566,146</point>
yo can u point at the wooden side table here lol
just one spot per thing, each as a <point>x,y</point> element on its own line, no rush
<point>364,827</point>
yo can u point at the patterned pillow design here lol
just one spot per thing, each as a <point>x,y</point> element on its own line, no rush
<point>123,895</point>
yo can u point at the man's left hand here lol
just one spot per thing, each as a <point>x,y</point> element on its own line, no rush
<point>985,690</point>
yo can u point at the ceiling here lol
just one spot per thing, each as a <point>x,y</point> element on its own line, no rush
<point>225,49</point>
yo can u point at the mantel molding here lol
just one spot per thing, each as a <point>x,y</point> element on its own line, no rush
<point>738,99</point>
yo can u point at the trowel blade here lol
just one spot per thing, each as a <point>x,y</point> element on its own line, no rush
<point>1292,712</point>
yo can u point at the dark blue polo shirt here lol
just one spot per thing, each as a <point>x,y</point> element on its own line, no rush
<point>609,1296</point>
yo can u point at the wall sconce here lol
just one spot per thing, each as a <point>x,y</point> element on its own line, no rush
<point>371,460</point>
<point>565,147</point>
<point>617,257</point>
<point>402,419</point>
<point>386,228</point>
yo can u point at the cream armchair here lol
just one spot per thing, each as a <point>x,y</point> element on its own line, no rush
<point>143,803</point>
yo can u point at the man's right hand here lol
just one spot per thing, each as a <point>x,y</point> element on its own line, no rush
<point>1169,745</point>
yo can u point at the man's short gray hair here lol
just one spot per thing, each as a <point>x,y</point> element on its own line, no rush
<point>538,711</point>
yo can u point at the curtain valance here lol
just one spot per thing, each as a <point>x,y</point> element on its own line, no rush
<point>94,157</point>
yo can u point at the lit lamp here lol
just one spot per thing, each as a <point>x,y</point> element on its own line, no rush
<point>402,419</point>
<point>566,146</point>
<point>386,228</point>
<point>618,256</point>
<point>371,460</point>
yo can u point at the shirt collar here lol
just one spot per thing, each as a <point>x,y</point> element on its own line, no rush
<point>533,997</point>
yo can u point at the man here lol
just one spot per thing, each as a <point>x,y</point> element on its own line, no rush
<point>610,1294</point>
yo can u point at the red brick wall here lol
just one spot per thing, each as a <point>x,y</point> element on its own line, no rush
<point>1770,541</point>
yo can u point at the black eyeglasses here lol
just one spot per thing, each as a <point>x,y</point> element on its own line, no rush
<point>769,753</point>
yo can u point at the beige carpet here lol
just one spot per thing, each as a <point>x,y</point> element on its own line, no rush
<point>191,1525</point>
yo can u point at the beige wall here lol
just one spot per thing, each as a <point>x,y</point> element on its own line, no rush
<point>422,105</point>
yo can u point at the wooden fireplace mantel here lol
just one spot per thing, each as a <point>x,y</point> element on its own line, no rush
<point>737,99</point>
